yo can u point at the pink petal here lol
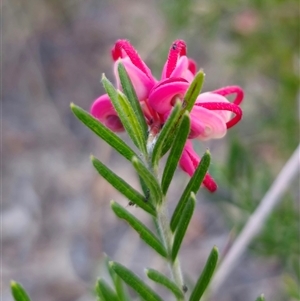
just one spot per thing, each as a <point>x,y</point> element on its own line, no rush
<point>189,162</point>
<point>162,96</point>
<point>177,49</point>
<point>103,110</point>
<point>187,158</point>
<point>181,70</point>
<point>212,97</point>
<point>142,83</point>
<point>206,124</point>
<point>192,66</point>
<point>231,90</point>
<point>123,49</point>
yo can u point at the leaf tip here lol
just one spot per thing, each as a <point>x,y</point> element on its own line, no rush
<point>112,203</point>
<point>103,77</point>
<point>134,160</point>
<point>201,72</point>
<point>207,152</point>
<point>193,196</point>
<point>187,114</point>
<point>13,283</point>
<point>215,250</point>
<point>92,158</point>
<point>111,264</point>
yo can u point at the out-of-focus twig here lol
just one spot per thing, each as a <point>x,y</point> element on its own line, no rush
<point>257,219</point>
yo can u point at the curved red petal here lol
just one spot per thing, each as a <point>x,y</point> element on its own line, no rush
<point>210,183</point>
<point>231,90</point>
<point>177,49</point>
<point>219,106</point>
<point>192,66</point>
<point>132,54</point>
<point>189,161</point>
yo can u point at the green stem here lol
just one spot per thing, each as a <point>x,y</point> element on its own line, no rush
<point>166,234</point>
<point>162,222</point>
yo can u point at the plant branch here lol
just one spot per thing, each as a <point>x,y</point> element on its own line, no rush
<point>167,236</point>
<point>162,222</point>
<point>258,218</point>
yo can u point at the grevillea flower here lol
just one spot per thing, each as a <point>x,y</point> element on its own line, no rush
<point>211,115</point>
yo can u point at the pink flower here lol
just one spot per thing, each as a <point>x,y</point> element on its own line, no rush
<point>211,115</point>
<point>189,162</point>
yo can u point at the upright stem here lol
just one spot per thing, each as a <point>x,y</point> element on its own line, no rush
<point>163,224</point>
<point>167,236</point>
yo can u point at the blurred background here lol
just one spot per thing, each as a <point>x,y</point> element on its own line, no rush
<point>56,217</point>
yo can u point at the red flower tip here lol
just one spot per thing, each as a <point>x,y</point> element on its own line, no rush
<point>219,106</point>
<point>231,90</point>
<point>210,183</point>
<point>124,45</point>
<point>192,66</point>
<point>177,50</point>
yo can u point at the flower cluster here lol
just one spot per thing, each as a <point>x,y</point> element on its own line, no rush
<point>211,115</point>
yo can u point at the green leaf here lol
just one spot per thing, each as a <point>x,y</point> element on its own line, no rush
<point>122,186</point>
<point>146,235</point>
<point>261,298</point>
<point>166,282</point>
<point>192,186</point>
<point>183,224</point>
<point>149,180</point>
<point>110,270</point>
<point>18,292</point>
<point>129,91</point>
<point>126,114</point>
<point>175,153</point>
<point>121,291</point>
<point>105,291</point>
<point>135,282</point>
<point>165,133</point>
<point>206,275</point>
<point>193,91</point>
<point>103,132</point>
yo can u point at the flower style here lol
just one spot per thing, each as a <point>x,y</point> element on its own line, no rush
<point>210,117</point>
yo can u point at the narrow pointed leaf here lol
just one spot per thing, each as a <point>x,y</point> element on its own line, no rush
<point>136,131</point>
<point>192,186</point>
<point>206,275</point>
<point>103,132</point>
<point>105,291</point>
<point>146,235</point>
<point>135,282</point>
<point>121,290</point>
<point>261,298</point>
<point>108,267</point>
<point>166,282</point>
<point>122,186</point>
<point>183,224</point>
<point>126,114</point>
<point>193,91</point>
<point>175,153</point>
<point>165,133</point>
<point>149,180</point>
<point>129,91</point>
<point>18,292</point>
